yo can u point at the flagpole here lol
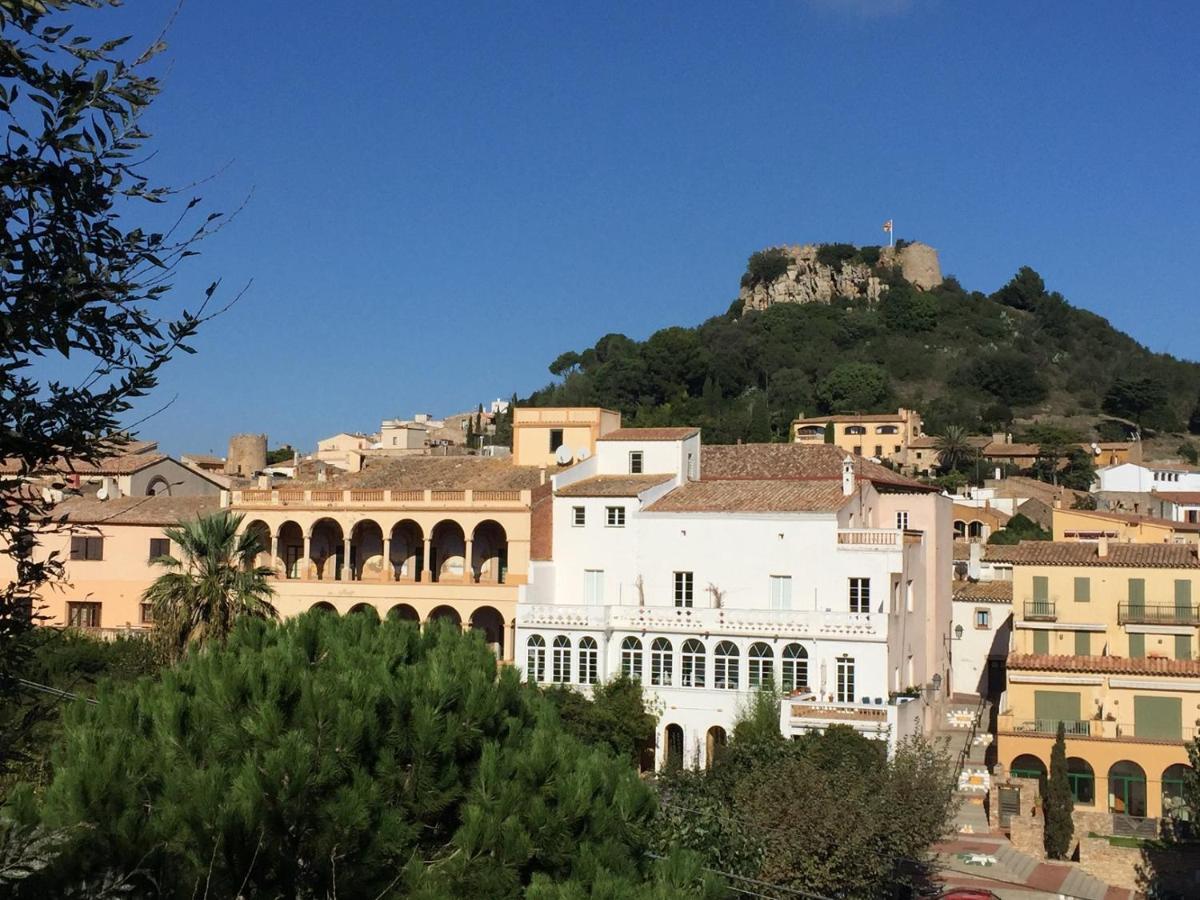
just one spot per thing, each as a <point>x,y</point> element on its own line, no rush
<point>892,233</point>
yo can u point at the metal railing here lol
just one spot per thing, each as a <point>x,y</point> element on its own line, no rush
<point>1078,727</point>
<point>1157,614</point>
<point>1040,610</point>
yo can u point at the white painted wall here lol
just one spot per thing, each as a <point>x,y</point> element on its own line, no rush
<point>977,645</point>
<point>1142,478</point>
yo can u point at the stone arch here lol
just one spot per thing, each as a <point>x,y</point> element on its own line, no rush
<point>1127,788</point>
<point>404,613</point>
<point>976,529</point>
<point>290,539</point>
<point>407,551</point>
<point>960,528</point>
<point>1028,766</point>
<point>714,744</point>
<point>158,487</point>
<point>488,621</point>
<point>366,550</point>
<point>444,614</point>
<point>489,553</point>
<point>363,609</point>
<point>260,530</point>
<point>1174,777</point>
<point>447,546</point>
<point>324,606</point>
<point>326,549</point>
<point>1082,779</point>
<point>673,746</point>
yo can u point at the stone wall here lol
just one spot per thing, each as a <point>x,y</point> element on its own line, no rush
<point>1028,834</point>
<point>1028,801</point>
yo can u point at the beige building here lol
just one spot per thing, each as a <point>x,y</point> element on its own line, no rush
<point>880,436</point>
<point>545,436</point>
<point>1091,525</point>
<point>1104,641</point>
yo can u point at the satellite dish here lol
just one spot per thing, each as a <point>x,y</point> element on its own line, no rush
<point>102,494</point>
<point>563,455</point>
<point>582,453</point>
<point>1095,449</point>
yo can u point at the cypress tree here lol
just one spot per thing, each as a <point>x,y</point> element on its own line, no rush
<point>1058,802</point>
<point>760,422</point>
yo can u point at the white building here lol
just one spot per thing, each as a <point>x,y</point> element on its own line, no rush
<point>1149,476</point>
<point>982,627</point>
<point>706,572</point>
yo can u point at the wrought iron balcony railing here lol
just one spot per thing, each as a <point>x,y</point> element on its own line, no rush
<point>1157,614</point>
<point>1040,611</point>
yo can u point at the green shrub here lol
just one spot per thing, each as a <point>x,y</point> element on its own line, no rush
<point>765,266</point>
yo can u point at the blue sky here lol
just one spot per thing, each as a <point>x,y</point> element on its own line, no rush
<point>446,196</point>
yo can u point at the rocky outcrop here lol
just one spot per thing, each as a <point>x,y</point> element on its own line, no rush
<point>807,280</point>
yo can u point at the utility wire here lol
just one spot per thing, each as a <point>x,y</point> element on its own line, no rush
<point>56,692</point>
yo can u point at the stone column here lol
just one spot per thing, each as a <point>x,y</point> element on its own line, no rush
<point>275,553</point>
<point>468,569</point>
<point>427,571</point>
<point>385,571</point>
<point>347,569</point>
<point>305,570</point>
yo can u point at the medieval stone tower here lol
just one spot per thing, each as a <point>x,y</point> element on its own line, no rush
<point>247,454</point>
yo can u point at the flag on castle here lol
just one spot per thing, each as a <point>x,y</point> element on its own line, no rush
<point>887,226</point>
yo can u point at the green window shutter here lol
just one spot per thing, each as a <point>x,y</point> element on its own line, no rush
<point>1083,643</point>
<point>1159,718</point>
<point>1137,594</point>
<point>1083,590</point>
<point>1041,642</point>
<point>1183,595</point>
<point>1041,588</point>
<point>1137,646</point>
<point>1052,707</point>
<point>1183,646</point>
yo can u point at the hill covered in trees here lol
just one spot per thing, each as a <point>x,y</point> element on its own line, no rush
<point>960,357</point>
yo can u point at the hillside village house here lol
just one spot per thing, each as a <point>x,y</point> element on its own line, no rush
<point>1104,641</point>
<point>879,436</point>
<point>981,626</point>
<point>706,572</point>
<point>554,437</point>
<point>1091,525</point>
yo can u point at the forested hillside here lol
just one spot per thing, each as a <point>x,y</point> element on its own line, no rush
<point>960,357</point>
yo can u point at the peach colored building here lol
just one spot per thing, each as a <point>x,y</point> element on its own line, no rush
<point>540,433</point>
<point>880,435</point>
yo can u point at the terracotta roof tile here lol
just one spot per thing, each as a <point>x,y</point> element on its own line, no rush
<point>746,495</point>
<point>1184,497</point>
<point>113,465</point>
<point>848,418</point>
<point>1134,519</point>
<point>1005,450</point>
<point>650,434</point>
<point>151,510</point>
<point>1072,553</point>
<point>444,473</point>
<point>962,550</point>
<point>1109,665</point>
<point>794,462</point>
<point>612,485</point>
<point>984,591</point>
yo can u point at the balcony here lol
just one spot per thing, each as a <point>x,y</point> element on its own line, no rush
<point>1141,614</point>
<point>1040,611</point>
<point>378,498</point>
<point>1075,727</point>
<point>1106,729</point>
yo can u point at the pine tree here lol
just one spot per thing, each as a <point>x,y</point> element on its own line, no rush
<point>760,422</point>
<point>1058,802</point>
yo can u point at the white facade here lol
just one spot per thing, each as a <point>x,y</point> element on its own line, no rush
<point>982,633</point>
<point>1146,477</point>
<point>837,605</point>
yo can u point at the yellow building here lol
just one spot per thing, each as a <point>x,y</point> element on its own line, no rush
<point>545,436</point>
<point>882,435</point>
<point>1091,525</point>
<point>1105,641</point>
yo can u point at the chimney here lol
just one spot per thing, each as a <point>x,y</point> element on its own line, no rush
<point>542,475</point>
<point>975,564</point>
<point>1102,546</point>
<point>848,476</point>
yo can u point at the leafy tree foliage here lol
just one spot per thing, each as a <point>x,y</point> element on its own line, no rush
<point>1025,291</point>
<point>280,454</point>
<point>614,716</point>
<point>864,815</point>
<point>1136,398</point>
<point>853,387</point>
<point>765,266</point>
<point>953,448</point>
<point>1019,528</point>
<point>1057,804</point>
<point>83,291</point>
<point>344,756</point>
<point>1008,376</point>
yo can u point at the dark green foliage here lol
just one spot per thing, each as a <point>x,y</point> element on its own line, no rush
<point>1025,291</point>
<point>830,433</point>
<point>765,266</point>
<point>759,722</point>
<point>1187,450</point>
<point>905,311</point>
<point>1193,425</point>
<point>1140,399</point>
<point>1191,781</point>
<point>853,388</point>
<point>1057,804</point>
<point>1008,376</point>
<point>828,814</point>
<point>760,423</point>
<point>280,454</point>
<point>615,716</point>
<point>834,255</point>
<point>391,761</point>
<point>1084,501</point>
<point>1019,528</point>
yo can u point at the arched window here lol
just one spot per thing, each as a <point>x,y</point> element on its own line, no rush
<point>1028,766</point>
<point>960,528</point>
<point>560,660</point>
<point>1127,788</point>
<point>1173,778</point>
<point>887,429</point>
<point>1082,780</point>
<point>673,735</point>
<point>535,660</point>
<point>691,664</point>
<point>589,661</point>
<point>631,658</point>
<point>725,666</point>
<point>661,654</point>
<point>762,662</point>
<point>855,429</point>
<point>795,668</point>
<point>975,529</point>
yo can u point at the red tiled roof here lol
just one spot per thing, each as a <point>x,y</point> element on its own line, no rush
<point>1135,519</point>
<point>747,495</point>
<point>984,591</point>
<point>650,434</point>
<point>1072,553</point>
<point>481,473</point>
<point>149,510</point>
<point>124,464</point>
<point>1006,450</point>
<point>794,462</point>
<point>962,550</point>
<point>1108,665</point>
<point>612,485</point>
<point>1187,498</point>
<point>847,418</point>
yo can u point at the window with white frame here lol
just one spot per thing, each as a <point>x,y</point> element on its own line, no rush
<point>725,666</point>
<point>683,589</point>
<point>691,664</point>
<point>902,520</point>
<point>560,660</point>
<point>845,680</point>
<point>860,595</point>
<point>635,462</point>
<point>589,661</point>
<point>535,660</point>
<point>578,516</point>
<point>794,674</point>
<point>761,665</point>
<point>631,658</point>
<point>780,594</point>
<point>593,587</point>
<point>614,516</point>
<point>661,655</point>
<point>983,619</point>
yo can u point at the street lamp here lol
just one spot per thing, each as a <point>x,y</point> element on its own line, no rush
<point>958,632</point>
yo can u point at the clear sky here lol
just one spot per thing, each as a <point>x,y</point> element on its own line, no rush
<point>446,196</point>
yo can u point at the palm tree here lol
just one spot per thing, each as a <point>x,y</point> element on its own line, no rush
<point>201,596</point>
<point>952,447</point>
